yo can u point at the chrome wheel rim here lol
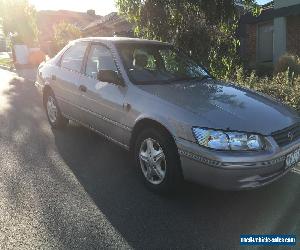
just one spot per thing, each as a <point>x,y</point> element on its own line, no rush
<point>51,109</point>
<point>152,161</point>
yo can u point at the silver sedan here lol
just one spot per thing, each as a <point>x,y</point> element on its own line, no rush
<point>177,120</point>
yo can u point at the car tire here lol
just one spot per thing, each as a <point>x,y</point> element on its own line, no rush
<point>54,115</point>
<point>158,165</point>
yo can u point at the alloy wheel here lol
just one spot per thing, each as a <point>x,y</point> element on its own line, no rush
<point>52,109</point>
<point>152,161</point>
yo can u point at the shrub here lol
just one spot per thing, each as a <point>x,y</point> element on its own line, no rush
<point>264,69</point>
<point>288,61</point>
<point>283,86</point>
<point>65,32</point>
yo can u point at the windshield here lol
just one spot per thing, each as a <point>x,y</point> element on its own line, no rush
<point>153,64</point>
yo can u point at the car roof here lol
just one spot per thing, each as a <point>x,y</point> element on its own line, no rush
<point>121,40</point>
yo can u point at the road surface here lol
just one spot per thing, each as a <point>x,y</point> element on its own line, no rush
<point>72,189</point>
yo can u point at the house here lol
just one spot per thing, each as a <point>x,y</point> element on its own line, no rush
<point>274,32</point>
<point>110,25</point>
<point>46,19</point>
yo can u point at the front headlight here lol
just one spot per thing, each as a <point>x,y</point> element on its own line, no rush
<point>227,140</point>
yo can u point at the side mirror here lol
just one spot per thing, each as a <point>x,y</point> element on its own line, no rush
<point>109,76</point>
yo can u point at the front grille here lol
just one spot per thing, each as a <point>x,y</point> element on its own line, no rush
<point>285,136</point>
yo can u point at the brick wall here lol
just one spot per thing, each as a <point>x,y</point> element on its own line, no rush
<point>250,44</point>
<point>293,34</point>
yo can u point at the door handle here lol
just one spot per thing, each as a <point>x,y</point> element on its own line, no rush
<point>53,77</point>
<point>126,106</point>
<point>82,88</point>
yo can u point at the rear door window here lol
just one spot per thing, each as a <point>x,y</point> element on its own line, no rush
<point>73,57</point>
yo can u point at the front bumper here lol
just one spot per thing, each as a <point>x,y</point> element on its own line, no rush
<point>233,170</point>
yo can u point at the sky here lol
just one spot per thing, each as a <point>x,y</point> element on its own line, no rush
<point>263,1</point>
<point>102,7</point>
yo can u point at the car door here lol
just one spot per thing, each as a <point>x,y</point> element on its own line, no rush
<point>65,80</point>
<point>103,102</point>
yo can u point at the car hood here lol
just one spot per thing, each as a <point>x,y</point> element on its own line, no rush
<point>227,106</point>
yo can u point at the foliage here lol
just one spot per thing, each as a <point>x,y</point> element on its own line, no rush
<point>19,18</point>
<point>288,62</point>
<point>223,55</point>
<point>65,32</point>
<point>204,29</point>
<point>283,86</point>
<point>264,69</point>
<point>6,62</point>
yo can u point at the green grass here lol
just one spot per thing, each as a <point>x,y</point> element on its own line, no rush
<point>6,62</point>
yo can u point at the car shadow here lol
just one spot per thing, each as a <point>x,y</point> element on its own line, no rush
<point>194,217</point>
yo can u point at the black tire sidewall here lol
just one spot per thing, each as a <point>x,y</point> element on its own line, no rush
<point>173,169</point>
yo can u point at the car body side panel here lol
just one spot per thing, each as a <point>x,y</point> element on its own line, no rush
<point>103,107</point>
<point>66,90</point>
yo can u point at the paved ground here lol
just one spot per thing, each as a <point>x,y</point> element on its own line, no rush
<point>4,55</point>
<point>28,73</point>
<point>72,189</point>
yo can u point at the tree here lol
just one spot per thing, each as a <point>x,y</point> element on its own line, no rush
<point>203,28</point>
<point>19,18</point>
<point>65,32</point>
